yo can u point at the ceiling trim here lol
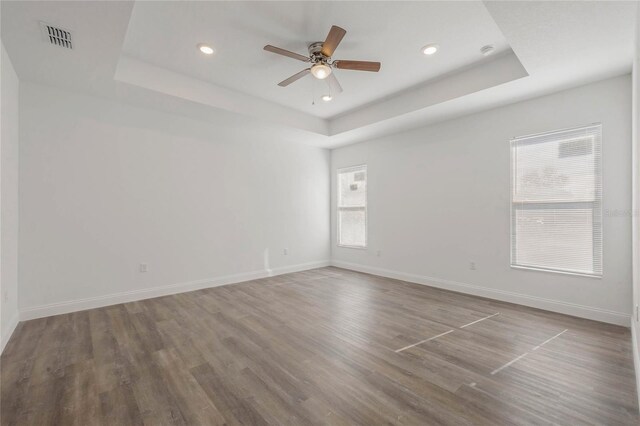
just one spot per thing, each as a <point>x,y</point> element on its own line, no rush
<point>142,74</point>
<point>487,74</point>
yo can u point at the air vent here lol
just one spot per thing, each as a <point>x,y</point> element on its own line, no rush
<point>56,36</point>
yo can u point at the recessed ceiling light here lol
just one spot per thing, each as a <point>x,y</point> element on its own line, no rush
<point>430,49</point>
<point>487,50</point>
<point>206,49</point>
<point>326,98</point>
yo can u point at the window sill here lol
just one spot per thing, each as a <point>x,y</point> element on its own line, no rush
<point>553,271</point>
<point>352,247</point>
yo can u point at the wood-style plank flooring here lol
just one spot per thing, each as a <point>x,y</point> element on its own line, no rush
<point>326,346</point>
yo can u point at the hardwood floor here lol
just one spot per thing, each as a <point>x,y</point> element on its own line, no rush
<point>326,346</point>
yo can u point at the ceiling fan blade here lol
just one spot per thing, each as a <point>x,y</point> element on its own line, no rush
<point>358,65</point>
<point>295,77</point>
<point>333,40</point>
<point>284,52</point>
<point>334,86</point>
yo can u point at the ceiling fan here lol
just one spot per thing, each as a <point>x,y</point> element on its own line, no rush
<point>322,65</point>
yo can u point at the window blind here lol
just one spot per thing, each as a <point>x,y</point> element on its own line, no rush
<point>556,201</point>
<point>352,207</point>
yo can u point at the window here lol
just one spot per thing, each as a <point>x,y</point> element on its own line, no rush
<point>556,201</point>
<point>352,207</point>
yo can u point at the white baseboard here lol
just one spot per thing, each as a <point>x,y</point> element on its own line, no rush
<point>636,355</point>
<point>9,329</point>
<point>149,293</point>
<point>581,311</point>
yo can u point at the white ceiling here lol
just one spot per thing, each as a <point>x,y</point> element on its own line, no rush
<point>98,28</point>
<point>144,53</point>
<point>165,34</point>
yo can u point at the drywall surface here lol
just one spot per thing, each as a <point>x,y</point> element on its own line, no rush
<point>438,200</point>
<point>108,190</point>
<point>636,204</point>
<point>8,199</point>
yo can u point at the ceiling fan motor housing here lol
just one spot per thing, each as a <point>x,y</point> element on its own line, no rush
<point>315,48</point>
<point>315,52</point>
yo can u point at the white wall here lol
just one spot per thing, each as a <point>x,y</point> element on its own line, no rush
<point>439,199</point>
<point>636,203</point>
<point>8,199</point>
<point>106,186</point>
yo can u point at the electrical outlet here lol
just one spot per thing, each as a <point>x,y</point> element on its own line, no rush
<point>143,267</point>
<point>285,251</point>
<point>472,266</point>
<point>379,253</point>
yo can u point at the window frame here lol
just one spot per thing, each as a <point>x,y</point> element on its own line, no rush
<point>365,208</point>
<point>596,206</point>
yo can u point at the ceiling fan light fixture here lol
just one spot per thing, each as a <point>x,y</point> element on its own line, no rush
<point>320,71</point>
<point>206,49</point>
<point>327,98</point>
<point>430,49</point>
